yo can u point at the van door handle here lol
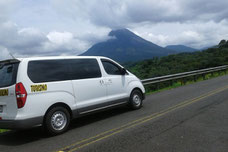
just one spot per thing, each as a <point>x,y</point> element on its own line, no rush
<point>109,80</point>
<point>101,82</point>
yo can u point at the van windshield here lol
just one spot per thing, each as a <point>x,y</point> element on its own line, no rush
<point>8,74</point>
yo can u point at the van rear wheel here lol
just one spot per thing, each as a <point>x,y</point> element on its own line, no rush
<point>57,120</point>
<point>136,100</point>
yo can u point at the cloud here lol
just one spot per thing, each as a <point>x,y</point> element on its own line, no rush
<point>60,27</point>
<point>32,42</point>
<point>65,41</point>
<point>27,40</point>
<point>196,23</point>
<point>196,35</point>
<point>206,10</point>
<point>24,42</point>
<point>177,11</point>
<point>116,14</point>
<point>20,40</point>
<point>102,13</point>
<point>6,8</point>
<point>4,53</point>
<point>60,38</point>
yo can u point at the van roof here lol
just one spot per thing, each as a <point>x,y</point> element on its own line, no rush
<point>58,57</point>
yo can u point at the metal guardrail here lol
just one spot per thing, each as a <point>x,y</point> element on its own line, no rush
<point>183,75</point>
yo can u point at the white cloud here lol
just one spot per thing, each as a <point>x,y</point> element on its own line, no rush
<point>4,53</point>
<point>117,14</point>
<point>196,35</point>
<point>60,38</point>
<point>65,41</point>
<point>60,27</point>
<point>31,41</point>
<point>6,7</point>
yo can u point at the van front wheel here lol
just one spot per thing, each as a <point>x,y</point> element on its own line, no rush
<point>136,99</point>
<point>57,120</point>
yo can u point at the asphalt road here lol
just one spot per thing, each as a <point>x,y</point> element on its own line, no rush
<point>192,118</point>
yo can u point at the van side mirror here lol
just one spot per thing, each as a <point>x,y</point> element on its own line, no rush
<point>123,71</point>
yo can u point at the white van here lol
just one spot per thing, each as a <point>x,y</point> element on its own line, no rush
<point>50,91</point>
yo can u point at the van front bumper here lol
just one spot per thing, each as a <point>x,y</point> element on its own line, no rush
<point>21,124</point>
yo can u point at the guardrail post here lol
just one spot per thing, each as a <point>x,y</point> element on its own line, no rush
<point>171,82</point>
<point>182,81</point>
<point>204,77</point>
<point>212,74</point>
<point>185,81</point>
<point>195,79</point>
<point>157,86</point>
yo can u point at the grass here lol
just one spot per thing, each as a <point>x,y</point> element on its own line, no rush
<point>178,83</point>
<point>3,130</point>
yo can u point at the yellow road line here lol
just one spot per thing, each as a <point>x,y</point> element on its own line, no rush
<point>103,133</point>
<point>139,121</point>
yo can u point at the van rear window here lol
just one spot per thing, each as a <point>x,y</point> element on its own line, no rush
<point>8,74</point>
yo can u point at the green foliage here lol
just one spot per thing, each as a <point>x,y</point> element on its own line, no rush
<point>3,130</point>
<point>174,84</point>
<point>222,42</point>
<point>182,62</point>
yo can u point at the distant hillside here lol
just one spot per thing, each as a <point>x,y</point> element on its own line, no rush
<point>126,46</point>
<point>182,62</point>
<point>181,48</point>
<point>207,47</point>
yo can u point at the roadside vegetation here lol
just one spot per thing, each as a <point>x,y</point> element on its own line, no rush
<point>178,63</point>
<point>2,130</point>
<point>177,83</point>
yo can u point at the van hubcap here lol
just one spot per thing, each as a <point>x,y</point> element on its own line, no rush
<point>58,120</point>
<point>136,100</point>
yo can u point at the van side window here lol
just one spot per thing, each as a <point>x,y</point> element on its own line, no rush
<point>111,68</point>
<point>48,70</point>
<point>60,70</point>
<point>84,69</point>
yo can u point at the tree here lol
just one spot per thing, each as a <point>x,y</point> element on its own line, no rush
<point>222,43</point>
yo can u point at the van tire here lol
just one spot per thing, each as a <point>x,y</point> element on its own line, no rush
<point>57,121</point>
<point>136,99</point>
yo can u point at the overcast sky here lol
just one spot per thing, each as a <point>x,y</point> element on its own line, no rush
<point>70,27</point>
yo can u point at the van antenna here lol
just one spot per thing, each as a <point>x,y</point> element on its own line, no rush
<point>11,55</point>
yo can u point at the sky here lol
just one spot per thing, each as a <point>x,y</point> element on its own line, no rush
<point>70,27</point>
